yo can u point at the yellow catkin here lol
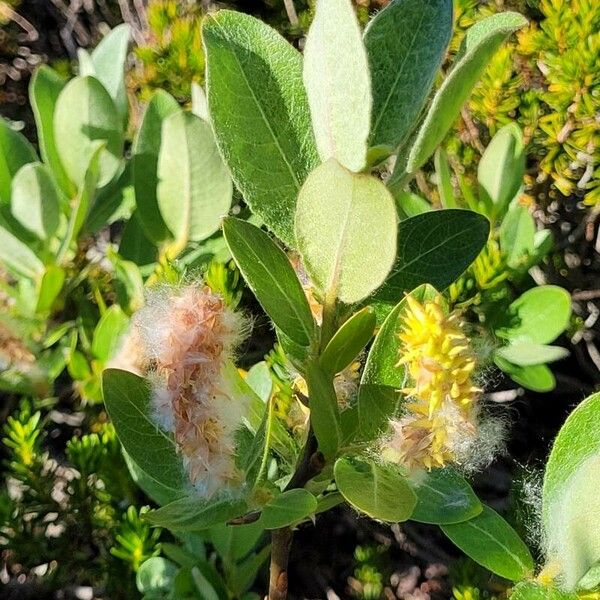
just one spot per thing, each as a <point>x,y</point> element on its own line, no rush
<point>441,411</point>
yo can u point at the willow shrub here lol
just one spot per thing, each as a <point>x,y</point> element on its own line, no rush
<point>310,142</point>
<point>389,415</point>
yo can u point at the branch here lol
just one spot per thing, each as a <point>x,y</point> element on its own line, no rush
<point>281,542</point>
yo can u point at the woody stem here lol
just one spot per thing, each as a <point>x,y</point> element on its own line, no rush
<point>281,542</point>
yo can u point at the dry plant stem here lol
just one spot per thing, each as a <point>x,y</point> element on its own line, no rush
<point>281,542</point>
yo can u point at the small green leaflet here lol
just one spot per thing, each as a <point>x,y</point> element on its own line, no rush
<point>128,401</point>
<point>380,491</point>
<point>288,508</point>
<point>269,274</point>
<point>490,541</point>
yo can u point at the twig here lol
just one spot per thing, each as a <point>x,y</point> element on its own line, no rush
<point>472,129</point>
<point>311,463</point>
<point>281,542</point>
<point>586,295</point>
<point>290,9</point>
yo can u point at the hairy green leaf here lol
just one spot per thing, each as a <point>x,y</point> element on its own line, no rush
<point>571,505</point>
<point>34,200</point>
<point>348,243</point>
<point>517,236</point>
<point>146,148</point>
<point>16,254</point>
<point>15,152</point>
<point>501,168</point>
<point>44,89</point>
<point>111,326</point>
<point>194,188</point>
<point>490,541</point>
<point>269,274</point>
<point>260,114</point>
<point>479,45</point>
<point>379,491</point>
<point>84,116</point>
<point>108,60</point>
<point>406,42</point>
<point>338,84</point>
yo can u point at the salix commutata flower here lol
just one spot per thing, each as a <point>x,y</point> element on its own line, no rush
<point>183,340</point>
<point>440,424</point>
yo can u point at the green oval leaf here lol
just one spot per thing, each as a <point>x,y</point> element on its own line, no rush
<point>490,541</point>
<point>525,354</point>
<point>128,402</point>
<point>270,276</point>
<point>288,508</point>
<point>324,409</point>
<point>34,200</point>
<point>539,315</point>
<point>108,332</point>
<point>517,236</point>
<point>194,514</point>
<point>260,114</point>
<point>435,247</point>
<point>15,152</point>
<point>571,505</point>
<point>44,89</point>
<point>379,491</point>
<point>479,45</point>
<point>85,115</point>
<point>348,243</point>
<point>502,167</point>
<point>194,188</point>
<point>50,286</point>
<point>80,205</point>
<point>146,148</point>
<point>406,42</point>
<point>108,61</point>
<point>538,378</point>
<point>338,84</point>
<point>444,497</point>
<point>348,341</point>
<point>155,575</point>
<point>16,254</point>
